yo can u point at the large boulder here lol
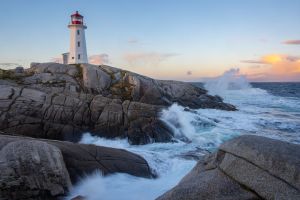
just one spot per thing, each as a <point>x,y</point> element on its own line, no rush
<point>248,167</point>
<point>57,101</point>
<point>83,159</point>
<point>269,167</point>
<point>31,169</point>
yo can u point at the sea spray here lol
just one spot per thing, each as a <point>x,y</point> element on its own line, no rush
<point>206,128</point>
<point>230,80</point>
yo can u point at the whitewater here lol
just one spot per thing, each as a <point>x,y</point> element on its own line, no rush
<point>196,133</point>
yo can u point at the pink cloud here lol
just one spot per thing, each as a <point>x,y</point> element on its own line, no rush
<point>253,61</point>
<point>99,59</point>
<point>189,73</point>
<point>57,59</point>
<point>280,67</point>
<point>295,42</point>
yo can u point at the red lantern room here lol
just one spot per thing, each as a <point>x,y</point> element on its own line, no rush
<point>76,18</point>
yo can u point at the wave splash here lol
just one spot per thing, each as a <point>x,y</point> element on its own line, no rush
<point>230,80</point>
<point>198,126</point>
<point>164,158</point>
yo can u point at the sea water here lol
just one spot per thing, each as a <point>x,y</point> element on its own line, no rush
<point>266,109</point>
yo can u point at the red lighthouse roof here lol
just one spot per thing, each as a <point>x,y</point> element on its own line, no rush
<point>76,18</point>
<point>77,15</point>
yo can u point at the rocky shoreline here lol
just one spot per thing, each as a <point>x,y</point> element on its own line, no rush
<point>50,102</point>
<point>46,108</point>
<point>57,101</point>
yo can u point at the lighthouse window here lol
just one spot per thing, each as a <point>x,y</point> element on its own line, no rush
<point>78,56</point>
<point>78,44</point>
<point>78,32</point>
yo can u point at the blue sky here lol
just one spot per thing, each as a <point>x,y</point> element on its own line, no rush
<point>184,39</point>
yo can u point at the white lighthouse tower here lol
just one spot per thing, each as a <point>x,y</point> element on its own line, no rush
<point>77,52</point>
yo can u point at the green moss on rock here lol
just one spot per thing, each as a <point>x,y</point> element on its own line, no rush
<point>9,74</point>
<point>79,73</point>
<point>122,89</point>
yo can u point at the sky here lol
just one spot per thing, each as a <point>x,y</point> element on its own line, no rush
<point>186,40</point>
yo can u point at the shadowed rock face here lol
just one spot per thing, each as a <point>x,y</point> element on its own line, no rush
<point>248,167</point>
<point>44,169</point>
<point>32,169</point>
<point>58,101</point>
<point>82,159</point>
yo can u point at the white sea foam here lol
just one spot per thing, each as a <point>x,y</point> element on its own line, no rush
<point>164,159</point>
<point>127,187</point>
<point>196,131</point>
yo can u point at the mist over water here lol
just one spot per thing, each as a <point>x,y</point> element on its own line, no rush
<point>196,133</point>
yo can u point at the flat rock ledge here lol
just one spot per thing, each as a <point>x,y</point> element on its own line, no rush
<point>46,169</point>
<point>56,101</point>
<point>247,167</point>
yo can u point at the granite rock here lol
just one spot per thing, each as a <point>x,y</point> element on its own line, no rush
<point>57,101</point>
<point>247,167</point>
<point>31,169</point>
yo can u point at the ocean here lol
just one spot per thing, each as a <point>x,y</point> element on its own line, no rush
<point>266,109</point>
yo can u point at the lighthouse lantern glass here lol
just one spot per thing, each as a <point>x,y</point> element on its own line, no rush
<point>77,20</point>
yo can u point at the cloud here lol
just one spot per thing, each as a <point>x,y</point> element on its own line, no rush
<point>189,73</point>
<point>293,58</point>
<point>57,59</point>
<point>133,41</point>
<point>255,66</point>
<point>99,59</point>
<point>295,42</point>
<point>281,67</point>
<point>147,58</point>
<point>280,58</point>
<point>286,66</point>
<point>257,76</point>
<point>9,65</point>
<point>272,59</point>
<point>253,61</point>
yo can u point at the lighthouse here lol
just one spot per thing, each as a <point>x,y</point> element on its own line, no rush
<point>77,53</point>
